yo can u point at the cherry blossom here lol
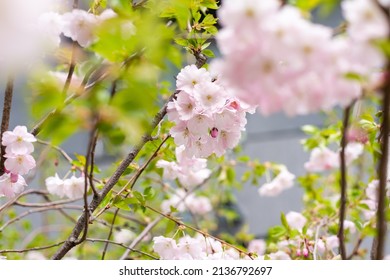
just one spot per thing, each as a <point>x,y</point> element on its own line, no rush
<point>165,247</point>
<point>181,201</point>
<point>55,185</point>
<point>322,159</point>
<point>190,76</point>
<point>284,180</point>
<point>257,246</point>
<point>366,20</point>
<point>207,119</point>
<point>296,220</point>
<point>10,187</point>
<point>18,141</point>
<point>79,26</point>
<point>190,171</point>
<point>311,76</point>
<point>19,163</point>
<point>279,255</point>
<point>74,187</point>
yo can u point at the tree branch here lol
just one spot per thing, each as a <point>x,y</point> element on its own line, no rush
<point>382,171</point>
<point>381,225</point>
<point>343,184</point>
<point>5,118</point>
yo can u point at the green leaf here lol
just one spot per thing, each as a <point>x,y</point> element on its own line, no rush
<point>139,197</point>
<point>277,232</point>
<point>211,4</point>
<point>284,221</point>
<point>121,204</point>
<point>208,53</point>
<point>149,193</point>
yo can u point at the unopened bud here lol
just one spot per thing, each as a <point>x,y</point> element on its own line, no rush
<point>214,132</point>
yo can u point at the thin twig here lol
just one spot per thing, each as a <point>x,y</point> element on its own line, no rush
<point>9,89</point>
<point>343,184</point>
<point>38,210</point>
<point>121,245</point>
<point>12,201</point>
<point>356,248</point>
<point>6,251</point>
<point>110,233</point>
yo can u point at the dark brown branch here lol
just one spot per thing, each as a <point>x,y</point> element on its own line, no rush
<point>6,116</point>
<point>382,170</point>
<point>343,184</point>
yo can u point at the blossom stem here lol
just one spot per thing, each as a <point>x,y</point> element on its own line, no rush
<point>343,184</point>
<point>6,116</point>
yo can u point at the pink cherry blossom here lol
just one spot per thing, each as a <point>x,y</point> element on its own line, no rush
<point>207,119</point>
<point>279,255</point>
<point>10,188</point>
<point>366,20</point>
<point>284,180</point>
<point>79,25</point>
<point>322,159</point>
<point>190,76</point>
<point>190,171</point>
<point>19,163</point>
<point>296,220</point>
<point>18,141</point>
<point>257,246</point>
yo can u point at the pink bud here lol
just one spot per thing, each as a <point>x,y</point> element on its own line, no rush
<point>214,132</point>
<point>14,177</point>
<point>234,104</point>
<point>299,253</point>
<point>305,252</point>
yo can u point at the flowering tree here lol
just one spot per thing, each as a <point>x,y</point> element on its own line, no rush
<point>173,148</point>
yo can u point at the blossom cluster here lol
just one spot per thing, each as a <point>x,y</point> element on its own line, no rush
<point>277,60</point>
<point>207,119</point>
<point>314,242</point>
<point>72,187</point>
<point>200,205</point>
<point>193,248</point>
<point>18,148</point>
<point>322,158</point>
